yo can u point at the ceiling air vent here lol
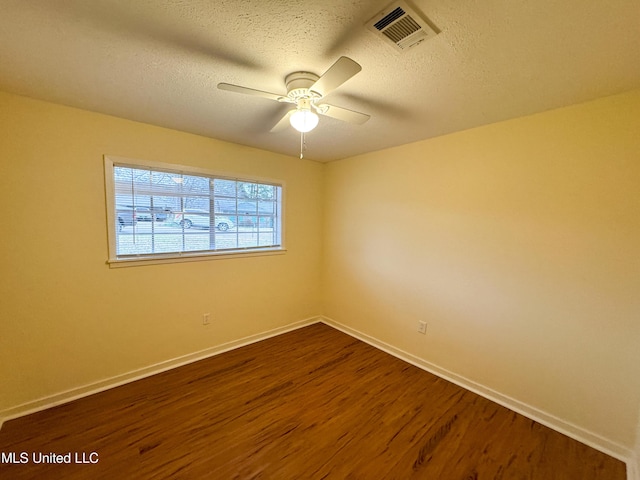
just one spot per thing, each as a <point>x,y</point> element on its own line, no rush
<point>400,26</point>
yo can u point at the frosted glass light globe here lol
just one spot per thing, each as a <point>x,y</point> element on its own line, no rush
<point>303,120</point>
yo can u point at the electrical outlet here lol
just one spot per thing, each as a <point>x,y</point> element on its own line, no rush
<point>205,318</point>
<point>422,327</point>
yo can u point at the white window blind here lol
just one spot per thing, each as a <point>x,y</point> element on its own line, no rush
<point>172,212</point>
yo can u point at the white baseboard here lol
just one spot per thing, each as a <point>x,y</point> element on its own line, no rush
<point>577,433</point>
<point>102,385</point>
<point>633,467</point>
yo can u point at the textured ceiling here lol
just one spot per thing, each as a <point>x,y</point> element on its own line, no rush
<point>159,62</point>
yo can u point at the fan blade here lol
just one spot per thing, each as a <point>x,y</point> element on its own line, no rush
<point>343,114</point>
<point>250,91</point>
<point>338,73</point>
<point>283,123</point>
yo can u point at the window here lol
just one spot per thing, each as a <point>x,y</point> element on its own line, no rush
<point>159,211</point>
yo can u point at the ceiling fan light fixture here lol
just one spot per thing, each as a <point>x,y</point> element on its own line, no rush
<point>303,120</point>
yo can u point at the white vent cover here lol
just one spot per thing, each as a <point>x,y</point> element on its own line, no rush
<point>400,26</point>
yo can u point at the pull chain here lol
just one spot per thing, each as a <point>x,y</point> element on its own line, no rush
<point>303,145</point>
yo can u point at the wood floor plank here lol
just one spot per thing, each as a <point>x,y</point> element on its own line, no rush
<point>309,404</point>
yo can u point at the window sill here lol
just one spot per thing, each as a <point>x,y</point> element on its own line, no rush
<point>190,257</point>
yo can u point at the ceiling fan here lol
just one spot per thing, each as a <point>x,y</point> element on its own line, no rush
<point>305,90</point>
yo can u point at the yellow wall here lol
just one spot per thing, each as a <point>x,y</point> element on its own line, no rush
<point>67,319</point>
<point>518,243</point>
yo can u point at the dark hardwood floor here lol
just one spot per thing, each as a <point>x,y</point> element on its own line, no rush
<point>309,404</point>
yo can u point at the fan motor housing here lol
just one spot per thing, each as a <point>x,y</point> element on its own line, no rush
<point>298,84</point>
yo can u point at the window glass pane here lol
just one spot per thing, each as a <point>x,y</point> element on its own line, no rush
<point>164,212</point>
<point>247,239</point>
<point>266,207</point>
<point>196,240</point>
<point>224,188</point>
<point>247,207</point>
<point>266,238</point>
<point>247,190</point>
<point>227,240</point>
<point>168,239</point>
<point>225,205</point>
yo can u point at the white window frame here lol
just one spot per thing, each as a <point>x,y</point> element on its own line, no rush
<point>114,260</point>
